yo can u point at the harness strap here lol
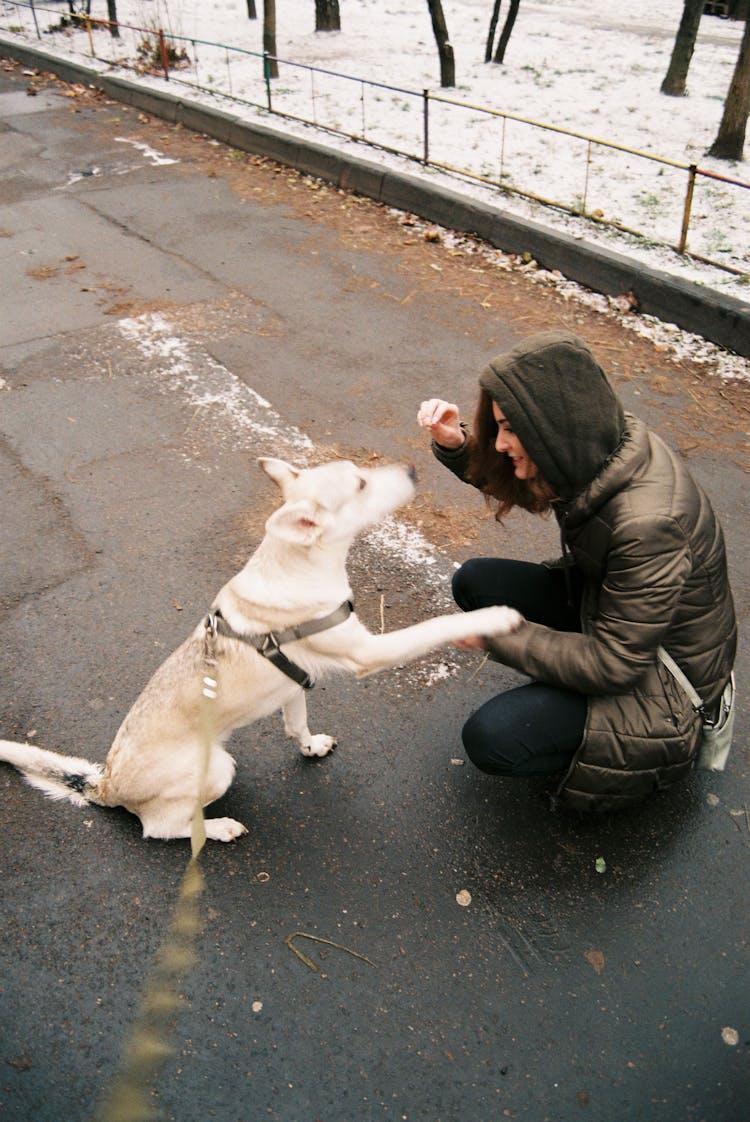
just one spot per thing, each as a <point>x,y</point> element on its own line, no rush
<point>312,626</point>
<point>268,643</point>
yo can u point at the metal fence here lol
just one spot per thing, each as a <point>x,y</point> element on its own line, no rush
<point>684,207</point>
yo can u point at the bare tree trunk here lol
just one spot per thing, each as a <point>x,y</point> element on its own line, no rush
<point>444,46</point>
<point>675,82</point>
<point>327,15</point>
<point>114,28</point>
<point>251,10</point>
<point>491,32</point>
<point>730,139</point>
<point>510,19</point>
<point>269,36</point>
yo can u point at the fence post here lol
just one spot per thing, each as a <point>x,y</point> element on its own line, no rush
<point>267,78</point>
<point>585,199</point>
<point>91,37</point>
<point>502,150</point>
<point>36,21</point>
<point>425,126</point>
<point>163,53</point>
<point>688,207</point>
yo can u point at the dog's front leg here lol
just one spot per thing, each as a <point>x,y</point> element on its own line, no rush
<point>394,648</point>
<point>295,725</point>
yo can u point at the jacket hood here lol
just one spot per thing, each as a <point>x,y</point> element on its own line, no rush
<point>560,405</point>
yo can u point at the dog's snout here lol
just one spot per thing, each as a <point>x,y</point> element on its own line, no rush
<point>412,473</point>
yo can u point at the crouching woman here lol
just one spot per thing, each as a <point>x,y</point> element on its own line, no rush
<point>643,566</point>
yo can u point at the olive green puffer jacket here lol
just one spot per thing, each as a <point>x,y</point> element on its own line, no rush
<point>647,543</point>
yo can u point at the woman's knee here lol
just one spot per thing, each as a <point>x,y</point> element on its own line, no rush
<point>481,746</point>
<point>466,583</point>
<point>528,730</point>
<point>482,581</point>
<point>503,753</point>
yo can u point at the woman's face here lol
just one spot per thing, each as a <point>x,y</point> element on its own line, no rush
<point>508,444</point>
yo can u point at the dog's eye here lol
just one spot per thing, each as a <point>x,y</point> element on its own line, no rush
<point>362,483</point>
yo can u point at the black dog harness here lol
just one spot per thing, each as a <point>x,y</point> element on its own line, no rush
<point>269,643</point>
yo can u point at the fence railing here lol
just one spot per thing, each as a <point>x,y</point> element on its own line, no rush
<point>683,207</point>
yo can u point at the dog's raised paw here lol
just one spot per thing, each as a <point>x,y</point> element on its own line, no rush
<point>503,621</point>
<point>224,829</point>
<point>515,619</point>
<point>320,745</point>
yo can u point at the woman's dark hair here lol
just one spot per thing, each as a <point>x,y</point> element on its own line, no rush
<point>492,472</point>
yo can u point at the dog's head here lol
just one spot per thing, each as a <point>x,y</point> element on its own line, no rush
<point>335,501</point>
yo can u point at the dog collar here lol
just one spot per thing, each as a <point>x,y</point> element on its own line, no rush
<point>268,643</point>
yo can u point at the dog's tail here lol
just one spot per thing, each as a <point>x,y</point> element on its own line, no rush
<point>59,777</point>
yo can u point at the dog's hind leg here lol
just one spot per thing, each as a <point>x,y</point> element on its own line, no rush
<point>223,829</point>
<point>173,817</point>
<point>219,776</point>
<point>295,725</point>
<point>168,819</point>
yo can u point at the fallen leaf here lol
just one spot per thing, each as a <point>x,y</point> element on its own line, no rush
<point>730,1036</point>
<point>463,898</point>
<point>595,959</point>
<point>43,272</point>
<point>23,1063</point>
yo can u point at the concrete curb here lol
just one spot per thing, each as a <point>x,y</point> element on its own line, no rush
<point>720,318</point>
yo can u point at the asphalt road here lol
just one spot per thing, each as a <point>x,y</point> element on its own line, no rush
<point>163,324</point>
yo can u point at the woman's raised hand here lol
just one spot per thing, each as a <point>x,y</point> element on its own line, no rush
<point>443,420</point>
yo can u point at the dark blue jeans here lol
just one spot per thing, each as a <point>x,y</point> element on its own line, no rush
<point>534,728</point>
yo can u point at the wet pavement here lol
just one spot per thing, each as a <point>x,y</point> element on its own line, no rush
<point>163,324</point>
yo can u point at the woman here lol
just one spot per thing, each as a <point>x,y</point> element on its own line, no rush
<point>643,566</point>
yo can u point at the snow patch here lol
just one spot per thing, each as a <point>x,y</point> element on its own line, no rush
<point>152,155</point>
<point>185,368</point>
<point>208,385</point>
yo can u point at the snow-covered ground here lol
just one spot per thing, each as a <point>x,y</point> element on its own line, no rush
<point>573,64</point>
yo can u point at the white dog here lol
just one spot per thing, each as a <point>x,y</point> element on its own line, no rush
<point>293,592</point>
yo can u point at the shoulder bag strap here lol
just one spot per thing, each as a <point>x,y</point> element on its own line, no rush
<point>678,676</point>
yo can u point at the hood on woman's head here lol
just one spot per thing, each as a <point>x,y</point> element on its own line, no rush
<point>560,405</point>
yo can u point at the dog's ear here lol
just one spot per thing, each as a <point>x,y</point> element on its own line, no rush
<point>298,523</point>
<point>278,470</point>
